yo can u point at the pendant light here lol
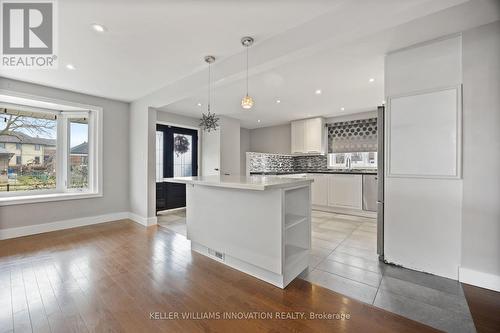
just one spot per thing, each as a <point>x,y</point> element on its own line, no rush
<point>209,121</point>
<point>247,101</point>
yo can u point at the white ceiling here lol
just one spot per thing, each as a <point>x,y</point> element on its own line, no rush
<point>152,52</point>
<point>150,43</point>
<point>342,77</point>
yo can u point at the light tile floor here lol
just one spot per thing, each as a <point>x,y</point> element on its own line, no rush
<point>175,221</point>
<point>343,259</point>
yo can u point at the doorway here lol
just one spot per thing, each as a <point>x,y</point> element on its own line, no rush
<point>176,156</point>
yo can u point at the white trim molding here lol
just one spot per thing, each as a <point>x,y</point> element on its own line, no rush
<point>145,221</point>
<point>74,223</point>
<point>479,279</point>
<point>458,133</point>
<point>60,225</point>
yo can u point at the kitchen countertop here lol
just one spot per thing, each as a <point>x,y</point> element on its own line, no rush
<point>255,182</point>
<point>350,172</point>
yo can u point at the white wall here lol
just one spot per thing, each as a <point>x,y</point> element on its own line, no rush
<point>354,116</point>
<point>139,141</point>
<point>273,139</point>
<point>115,165</point>
<point>423,216</point>
<point>172,118</point>
<point>230,146</point>
<point>481,157</point>
<point>211,154</point>
<point>244,148</point>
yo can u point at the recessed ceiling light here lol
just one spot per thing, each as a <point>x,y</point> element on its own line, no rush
<point>278,101</point>
<point>371,80</point>
<point>318,92</point>
<point>342,109</point>
<point>199,104</point>
<point>70,67</point>
<point>258,120</point>
<point>98,27</point>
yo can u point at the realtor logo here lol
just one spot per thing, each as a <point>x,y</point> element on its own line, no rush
<point>28,34</point>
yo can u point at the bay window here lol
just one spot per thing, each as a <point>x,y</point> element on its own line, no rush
<point>48,154</point>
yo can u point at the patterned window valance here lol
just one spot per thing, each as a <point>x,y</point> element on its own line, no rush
<point>353,136</point>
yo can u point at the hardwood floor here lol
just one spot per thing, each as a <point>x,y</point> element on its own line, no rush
<point>484,306</point>
<point>111,277</point>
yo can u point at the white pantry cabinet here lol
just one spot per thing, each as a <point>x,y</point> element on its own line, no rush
<point>319,189</point>
<point>345,191</point>
<point>308,136</point>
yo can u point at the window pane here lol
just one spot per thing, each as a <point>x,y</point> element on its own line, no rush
<point>182,155</point>
<point>159,156</point>
<point>27,151</point>
<point>79,153</point>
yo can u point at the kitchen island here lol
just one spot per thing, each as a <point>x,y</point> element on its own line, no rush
<point>257,224</point>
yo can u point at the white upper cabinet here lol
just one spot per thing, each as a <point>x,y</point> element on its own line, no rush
<point>298,132</point>
<point>308,136</point>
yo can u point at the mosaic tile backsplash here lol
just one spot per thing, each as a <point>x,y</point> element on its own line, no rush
<point>310,163</point>
<point>263,162</point>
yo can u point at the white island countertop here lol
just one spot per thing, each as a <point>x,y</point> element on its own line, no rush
<point>258,183</point>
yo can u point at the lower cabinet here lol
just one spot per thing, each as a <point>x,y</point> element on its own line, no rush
<point>337,190</point>
<point>345,191</point>
<point>319,190</point>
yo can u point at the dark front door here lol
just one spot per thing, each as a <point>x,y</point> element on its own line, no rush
<point>176,156</point>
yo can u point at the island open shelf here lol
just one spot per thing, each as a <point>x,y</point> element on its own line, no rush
<point>258,225</point>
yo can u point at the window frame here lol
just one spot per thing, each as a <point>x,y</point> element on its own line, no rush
<point>94,114</point>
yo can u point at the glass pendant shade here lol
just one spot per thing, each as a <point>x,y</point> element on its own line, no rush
<point>247,102</point>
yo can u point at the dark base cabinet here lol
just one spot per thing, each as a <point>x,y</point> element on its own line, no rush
<point>170,196</point>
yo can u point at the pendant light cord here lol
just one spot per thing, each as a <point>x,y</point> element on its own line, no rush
<point>247,70</point>
<point>209,81</point>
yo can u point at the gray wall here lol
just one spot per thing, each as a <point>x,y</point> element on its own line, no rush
<point>244,148</point>
<point>115,165</point>
<point>481,149</point>
<point>273,139</point>
<point>277,139</point>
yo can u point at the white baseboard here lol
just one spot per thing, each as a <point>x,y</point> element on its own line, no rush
<point>479,279</point>
<point>145,221</point>
<point>60,225</point>
<point>346,211</point>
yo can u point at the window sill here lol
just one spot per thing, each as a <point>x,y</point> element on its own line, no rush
<point>38,198</point>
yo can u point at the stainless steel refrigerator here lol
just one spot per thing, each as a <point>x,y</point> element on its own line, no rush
<point>380,181</point>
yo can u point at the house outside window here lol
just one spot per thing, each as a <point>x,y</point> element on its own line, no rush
<point>2,144</point>
<point>37,159</point>
<point>18,146</point>
<point>37,147</point>
<point>18,160</point>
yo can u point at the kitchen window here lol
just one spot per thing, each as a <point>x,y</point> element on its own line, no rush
<point>56,153</point>
<point>355,160</point>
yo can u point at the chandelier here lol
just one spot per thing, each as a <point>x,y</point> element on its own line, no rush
<point>209,122</point>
